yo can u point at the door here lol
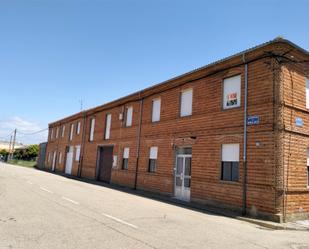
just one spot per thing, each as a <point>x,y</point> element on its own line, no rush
<point>183,177</point>
<point>105,163</point>
<point>54,161</point>
<point>69,160</point>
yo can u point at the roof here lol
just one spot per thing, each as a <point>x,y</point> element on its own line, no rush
<point>139,93</point>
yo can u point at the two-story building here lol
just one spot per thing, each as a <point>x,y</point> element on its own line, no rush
<point>232,134</point>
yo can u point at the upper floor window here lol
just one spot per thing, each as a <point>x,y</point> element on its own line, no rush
<point>71,132</point>
<point>108,123</point>
<point>125,158</point>
<point>57,132</point>
<point>78,128</point>
<point>230,162</point>
<point>231,92</point>
<point>186,103</point>
<point>51,133</point>
<point>153,155</point>
<point>91,132</point>
<point>307,93</point>
<point>156,109</point>
<point>129,116</point>
<point>63,130</point>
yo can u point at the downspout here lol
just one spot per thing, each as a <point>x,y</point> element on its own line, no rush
<point>244,194</point>
<point>139,140</point>
<point>80,165</point>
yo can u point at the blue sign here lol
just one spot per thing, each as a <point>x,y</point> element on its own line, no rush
<point>253,120</point>
<point>299,122</point>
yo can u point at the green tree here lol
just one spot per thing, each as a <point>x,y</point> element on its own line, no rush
<point>31,151</point>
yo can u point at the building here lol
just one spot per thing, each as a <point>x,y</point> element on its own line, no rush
<point>6,145</point>
<point>233,134</point>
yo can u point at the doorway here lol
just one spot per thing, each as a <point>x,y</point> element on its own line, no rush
<point>69,160</point>
<point>183,174</point>
<point>105,163</point>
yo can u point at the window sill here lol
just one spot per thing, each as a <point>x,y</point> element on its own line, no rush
<point>230,182</point>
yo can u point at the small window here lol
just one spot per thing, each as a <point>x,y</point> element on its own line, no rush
<point>78,128</point>
<point>230,162</point>
<point>308,167</point>
<point>92,124</point>
<point>129,117</point>
<point>71,132</point>
<point>156,109</point>
<point>108,123</point>
<point>231,92</point>
<point>57,132</point>
<point>153,155</point>
<point>307,93</point>
<point>60,158</point>
<point>51,133</point>
<point>77,153</point>
<point>186,103</point>
<point>125,160</point>
<point>63,130</point>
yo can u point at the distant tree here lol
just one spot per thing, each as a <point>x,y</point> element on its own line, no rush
<point>32,151</point>
<point>4,152</point>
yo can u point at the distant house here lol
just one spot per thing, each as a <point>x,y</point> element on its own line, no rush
<point>6,145</point>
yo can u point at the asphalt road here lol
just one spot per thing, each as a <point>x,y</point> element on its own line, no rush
<point>43,210</point>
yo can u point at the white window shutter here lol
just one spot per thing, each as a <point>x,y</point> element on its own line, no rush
<point>231,92</point>
<point>126,152</point>
<point>108,126</point>
<point>129,116</point>
<point>156,110</point>
<point>230,153</point>
<point>92,129</point>
<point>153,153</point>
<point>186,103</point>
<point>307,93</point>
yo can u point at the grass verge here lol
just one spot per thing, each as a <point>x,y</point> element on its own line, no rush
<point>29,164</point>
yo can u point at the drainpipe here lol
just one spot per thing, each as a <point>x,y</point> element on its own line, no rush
<point>244,194</point>
<point>80,165</point>
<point>139,140</point>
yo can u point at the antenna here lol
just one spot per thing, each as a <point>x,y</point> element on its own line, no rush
<point>81,104</point>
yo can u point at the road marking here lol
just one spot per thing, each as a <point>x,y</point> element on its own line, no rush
<point>119,220</point>
<point>46,190</point>
<point>68,199</point>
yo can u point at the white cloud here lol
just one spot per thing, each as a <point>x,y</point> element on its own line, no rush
<point>23,126</point>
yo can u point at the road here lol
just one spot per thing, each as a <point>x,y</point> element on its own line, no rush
<point>44,210</point>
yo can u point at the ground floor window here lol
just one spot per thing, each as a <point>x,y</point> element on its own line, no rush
<point>153,155</point>
<point>230,162</point>
<point>125,160</point>
<point>308,167</point>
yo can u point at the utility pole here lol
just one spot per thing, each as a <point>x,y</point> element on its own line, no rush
<point>14,140</point>
<point>10,145</point>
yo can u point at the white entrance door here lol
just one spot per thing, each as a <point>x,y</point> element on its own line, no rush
<point>183,177</point>
<point>54,161</point>
<point>69,161</point>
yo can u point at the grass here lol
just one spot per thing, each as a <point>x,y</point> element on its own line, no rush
<point>23,163</point>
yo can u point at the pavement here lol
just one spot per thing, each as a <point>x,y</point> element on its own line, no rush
<point>43,210</point>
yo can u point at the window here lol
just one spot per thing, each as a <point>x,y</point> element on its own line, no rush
<point>71,132</point>
<point>77,153</point>
<point>108,122</point>
<point>51,133</point>
<point>78,128</point>
<point>129,115</point>
<point>186,103</point>
<point>153,155</point>
<point>156,109</point>
<point>308,167</point>
<point>307,93</point>
<point>49,157</point>
<point>92,124</point>
<point>231,92</point>
<point>57,132</point>
<point>230,162</point>
<point>63,130</point>
<point>60,158</point>
<point>125,160</point>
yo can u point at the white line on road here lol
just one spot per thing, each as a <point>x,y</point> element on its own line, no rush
<point>46,190</point>
<point>119,220</point>
<point>68,199</point>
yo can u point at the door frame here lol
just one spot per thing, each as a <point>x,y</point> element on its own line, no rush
<point>177,149</point>
<point>98,170</point>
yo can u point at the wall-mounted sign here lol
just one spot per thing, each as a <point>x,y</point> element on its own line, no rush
<point>253,120</point>
<point>299,122</point>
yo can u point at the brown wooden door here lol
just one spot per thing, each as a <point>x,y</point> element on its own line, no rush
<point>105,163</point>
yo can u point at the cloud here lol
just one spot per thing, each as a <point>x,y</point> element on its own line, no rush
<point>23,126</point>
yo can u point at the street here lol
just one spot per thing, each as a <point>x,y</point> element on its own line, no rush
<point>44,210</point>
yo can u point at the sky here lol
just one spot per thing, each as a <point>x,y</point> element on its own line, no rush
<point>55,52</point>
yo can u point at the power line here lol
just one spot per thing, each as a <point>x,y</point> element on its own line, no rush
<point>32,133</point>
